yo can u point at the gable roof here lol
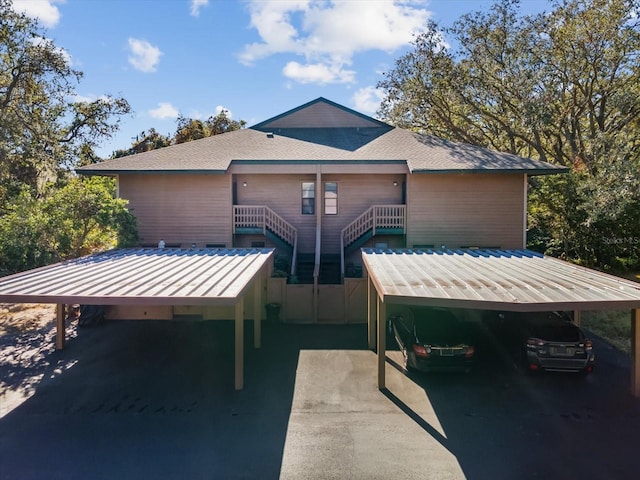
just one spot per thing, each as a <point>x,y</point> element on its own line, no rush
<point>320,113</point>
<point>321,131</point>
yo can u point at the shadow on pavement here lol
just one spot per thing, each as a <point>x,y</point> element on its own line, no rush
<point>155,399</point>
<point>502,423</point>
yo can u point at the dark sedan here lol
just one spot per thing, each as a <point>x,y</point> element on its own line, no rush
<point>433,339</point>
<point>545,341</point>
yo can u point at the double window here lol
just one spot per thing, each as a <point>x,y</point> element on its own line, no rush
<point>330,198</point>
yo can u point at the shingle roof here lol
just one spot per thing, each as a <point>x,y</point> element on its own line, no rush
<point>376,143</point>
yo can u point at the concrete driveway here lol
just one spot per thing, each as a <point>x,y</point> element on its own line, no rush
<point>156,400</point>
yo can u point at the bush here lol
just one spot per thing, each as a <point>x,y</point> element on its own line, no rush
<point>79,217</point>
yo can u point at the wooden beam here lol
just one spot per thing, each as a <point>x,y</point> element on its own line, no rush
<point>371,313</point>
<point>60,327</point>
<point>576,317</point>
<point>257,310</point>
<point>239,350</point>
<point>382,344</point>
<point>635,352</point>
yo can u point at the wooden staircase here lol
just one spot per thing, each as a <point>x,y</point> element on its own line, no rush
<point>376,220</point>
<point>328,273</point>
<point>261,219</point>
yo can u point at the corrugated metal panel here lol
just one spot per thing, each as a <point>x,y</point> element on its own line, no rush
<point>516,280</point>
<point>141,276</point>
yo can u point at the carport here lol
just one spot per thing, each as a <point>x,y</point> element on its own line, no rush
<point>508,280</point>
<point>150,276</point>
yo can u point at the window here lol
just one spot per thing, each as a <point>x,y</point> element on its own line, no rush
<point>308,198</point>
<point>330,198</point>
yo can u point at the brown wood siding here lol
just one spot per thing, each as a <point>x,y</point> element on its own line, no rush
<point>320,115</point>
<point>356,193</point>
<point>466,210</point>
<point>180,209</point>
<point>281,193</point>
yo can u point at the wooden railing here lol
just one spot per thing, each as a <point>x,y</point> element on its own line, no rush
<point>377,216</point>
<point>263,218</point>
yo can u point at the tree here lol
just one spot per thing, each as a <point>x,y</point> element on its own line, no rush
<point>80,217</point>
<point>192,129</point>
<point>222,123</point>
<point>46,213</point>
<point>143,143</point>
<point>43,129</point>
<point>188,129</point>
<point>562,87</point>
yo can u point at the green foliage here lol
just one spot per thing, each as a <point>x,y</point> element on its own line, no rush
<point>43,131</point>
<point>614,326</point>
<point>44,215</point>
<point>25,236</point>
<point>562,87</point>
<point>77,218</point>
<point>188,129</point>
<point>144,142</point>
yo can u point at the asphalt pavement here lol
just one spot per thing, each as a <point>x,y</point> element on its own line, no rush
<point>155,400</point>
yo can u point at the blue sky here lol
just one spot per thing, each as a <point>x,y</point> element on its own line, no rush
<point>254,58</point>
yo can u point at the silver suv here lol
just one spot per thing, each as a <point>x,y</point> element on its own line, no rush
<point>544,341</point>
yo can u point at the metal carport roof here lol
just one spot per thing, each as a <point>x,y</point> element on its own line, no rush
<point>514,280</point>
<point>149,276</point>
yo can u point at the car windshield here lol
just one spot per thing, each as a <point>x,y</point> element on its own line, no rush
<point>438,327</point>
<point>557,333</point>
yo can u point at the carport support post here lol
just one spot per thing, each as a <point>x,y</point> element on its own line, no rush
<point>60,327</point>
<point>239,352</point>
<point>257,311</point>
<point>382,344</point>
<point>371,313</point>
<point>635,352</point>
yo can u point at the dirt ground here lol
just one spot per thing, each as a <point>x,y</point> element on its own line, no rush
<point>16,319</point>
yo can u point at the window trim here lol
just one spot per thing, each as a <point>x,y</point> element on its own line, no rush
<point>311,198</point>
<point>335,199</point>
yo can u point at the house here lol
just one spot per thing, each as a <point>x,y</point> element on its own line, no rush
<point>317,183</point>
<point>367,218</point>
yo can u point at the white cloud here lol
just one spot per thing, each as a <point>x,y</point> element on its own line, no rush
<point>199,115</point>
<point>329,33</point>
<point>165,110</point>
<point>367,99</point>
<point>318,73</point>
<point>220,108</point>
<point>44,10</point>
<point>196,5</point>
<point>88,98</point>
<point>144,56</point>
<point>83,98</point>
